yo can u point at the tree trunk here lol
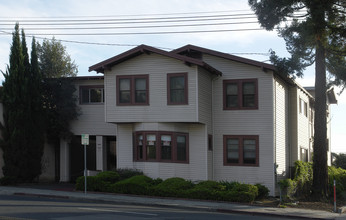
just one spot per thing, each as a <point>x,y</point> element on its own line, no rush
<point>320,169</point>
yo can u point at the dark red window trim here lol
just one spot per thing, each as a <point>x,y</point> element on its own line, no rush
<point>241,144</point>
<point>239,83</point>
<point>91,87</point>
<point>132,79</point>
<point>169,75</point>
<point>144,158</point>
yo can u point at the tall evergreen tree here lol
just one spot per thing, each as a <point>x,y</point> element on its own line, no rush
<point>21,138</point>
<point>314,32</point>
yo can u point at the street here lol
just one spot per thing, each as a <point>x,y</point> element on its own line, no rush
<point>28,207</point>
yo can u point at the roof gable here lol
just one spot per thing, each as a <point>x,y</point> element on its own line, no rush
<point>107,64</point>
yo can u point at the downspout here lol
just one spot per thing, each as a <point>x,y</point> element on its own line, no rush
<point>274,142</point>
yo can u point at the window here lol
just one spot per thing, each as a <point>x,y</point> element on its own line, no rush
<point>303,107</point>
<point>304,154</point>
<point>210,142</point>
<point>240,94</point>
<point>177,89</point>
<point>241,150</point>
<point>133,90</point>
<point>161,146</point>
<point>91,94</point>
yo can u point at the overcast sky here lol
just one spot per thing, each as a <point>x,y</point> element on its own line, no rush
<point>91,46</point>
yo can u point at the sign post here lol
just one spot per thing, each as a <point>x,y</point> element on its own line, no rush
<point>85,142</point>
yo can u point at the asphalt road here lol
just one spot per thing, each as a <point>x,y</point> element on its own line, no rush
<point>27,207</point>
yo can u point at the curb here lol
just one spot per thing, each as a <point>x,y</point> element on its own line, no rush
<point>178,206</point>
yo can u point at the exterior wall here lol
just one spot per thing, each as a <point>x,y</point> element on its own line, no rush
<point>1,152</point>
<point>157,67</point>
<point>196,169</point>
<point>92,118</point>
<point>281,129</point>
<point>205,98</point>
<point>244,122</point>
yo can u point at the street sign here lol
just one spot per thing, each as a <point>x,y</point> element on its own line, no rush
<point>85,139</point>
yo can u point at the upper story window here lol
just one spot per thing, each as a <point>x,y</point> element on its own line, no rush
<point>161,146</point>
<point>240,94</point>
<point>241,150</point>
<point>133,90</point>
<point>177,89</point>
<point>91,94</point>
<point>303,107</point>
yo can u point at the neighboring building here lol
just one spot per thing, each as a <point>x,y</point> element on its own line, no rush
<point>193,113</point>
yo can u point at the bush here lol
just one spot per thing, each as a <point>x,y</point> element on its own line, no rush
<point>173,187</point>
<point>288,189</point>
<point>127,173</point>
<point>240,193</point>
<point>339,175</point>
<point>263,191</point>
<point>93,184</point>
<point>208,190</point>
<point>8,180</point>
<point>138,185</point>
<point>229,185</point>
<point>108,176</point>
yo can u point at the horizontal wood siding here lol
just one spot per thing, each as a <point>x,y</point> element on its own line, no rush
<point>205,98</point>
<point>157,67</point>
<point>125,146</point>
<point>281,128</point>
<point>303,125</point>
<point>196,169</point>
<point>244,122</point>
<point>92,118</point>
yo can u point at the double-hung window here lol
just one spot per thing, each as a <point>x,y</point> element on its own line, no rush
<point>133,90</point>
<point>91,94</point>
<point>241,150</point>
<point>177,89</point>
<point>161,146</point>
<point>240,94</point>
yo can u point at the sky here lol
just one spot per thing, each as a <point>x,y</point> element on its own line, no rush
<point>89,46</point>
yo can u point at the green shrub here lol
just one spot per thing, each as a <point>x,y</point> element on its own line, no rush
<point>93,184</point>
<point>263,191</point>
<point>240,193</point>
<point>208,190</point>
<point>8,180</point>
<point>288,189</point>
<point>229,185</point>
<point>138,185</point>
<point>173,187</point>
<point>108,176</point>
<point>126,173</point>
<point>339,175</point>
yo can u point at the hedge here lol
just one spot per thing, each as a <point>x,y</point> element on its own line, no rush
<point>110,181</point>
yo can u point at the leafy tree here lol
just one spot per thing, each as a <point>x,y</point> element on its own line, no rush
<point>314,32</point>
<point>22,139</point>
<point>339,160</point>
<point>54,61</point>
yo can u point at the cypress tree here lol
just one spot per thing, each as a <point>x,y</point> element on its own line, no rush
<point>22,136</point>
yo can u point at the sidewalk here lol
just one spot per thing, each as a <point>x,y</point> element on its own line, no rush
<point>67,193</point>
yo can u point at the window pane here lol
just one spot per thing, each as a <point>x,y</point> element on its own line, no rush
<point>151,146</point>
<point>232,150</point>
<point>249,101</point>
<point>141,84</point>
<point>140,147</point>
<point>177,89</point>
<point>249,151</point>
<point>96,95</point>
<point>232,89</point>
<point>124,84</point>
<point>181,148</point>
<point>232,95</point>
<point>85,95</point>
<point>177,82</point>
<point>177,96</point>
<point>249,88</point>
<point>125,97</point>
<point>141,92</point>
<point>166,147</point>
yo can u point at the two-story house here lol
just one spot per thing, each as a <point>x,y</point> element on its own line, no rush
<point>194,113</point>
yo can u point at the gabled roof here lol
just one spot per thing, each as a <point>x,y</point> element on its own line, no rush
<point>188,48</point>
<point>107,64</point>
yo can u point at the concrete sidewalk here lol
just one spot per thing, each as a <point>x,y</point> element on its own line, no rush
<point>65,193</point>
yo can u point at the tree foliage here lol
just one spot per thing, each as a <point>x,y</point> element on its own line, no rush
<point>315,33</point>
<point>54,61</point>
<point>339,160</point>
<point>22,130</point>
